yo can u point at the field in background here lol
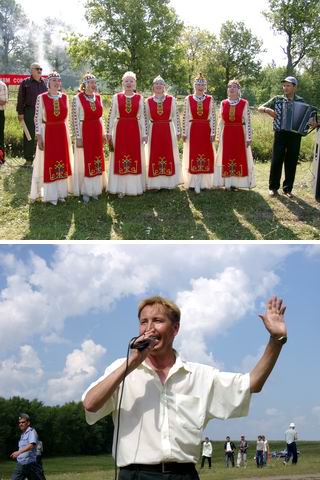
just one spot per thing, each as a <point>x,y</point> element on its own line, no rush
<point>101,467</point>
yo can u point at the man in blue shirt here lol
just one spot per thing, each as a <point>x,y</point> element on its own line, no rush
<point>27,466</point>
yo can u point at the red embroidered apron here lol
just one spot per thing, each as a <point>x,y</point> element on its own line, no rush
<point>56,149</point>
<point>201,157</point>
<point>92,136</point>
<point>234,158</point>
<point>127,149</point>
<point>161,161</point>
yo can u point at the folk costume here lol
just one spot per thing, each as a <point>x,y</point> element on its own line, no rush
<point>163,165</point>
<point>316,168</point>
<point>89,163</point>
<point>234,167</point>
<point>198,149</point>
<point>52,169</point>
<point>127,125</point>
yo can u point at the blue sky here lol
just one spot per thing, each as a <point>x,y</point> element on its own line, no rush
<point>67,311</point>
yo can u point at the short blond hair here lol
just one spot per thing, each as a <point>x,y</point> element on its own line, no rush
<point>171,309</point>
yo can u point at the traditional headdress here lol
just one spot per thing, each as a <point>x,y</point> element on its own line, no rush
<point>200,80</point>
<point>129,74</point>
<point>52,75</point>
<point>159,80</point>
<point>85,80</point>
<point>234,82</point>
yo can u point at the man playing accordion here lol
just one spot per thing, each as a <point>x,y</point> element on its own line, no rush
<point>286,145</point>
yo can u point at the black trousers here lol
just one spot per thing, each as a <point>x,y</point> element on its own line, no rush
<point>143,475</point>
<point>292,452</point>
<point>2,122</point>
<point>203,459</point>
<point>29,147</point>
<point>30,471</point>
<point>286,148</point>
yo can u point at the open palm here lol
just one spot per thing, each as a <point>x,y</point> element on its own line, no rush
<point>273,318</point>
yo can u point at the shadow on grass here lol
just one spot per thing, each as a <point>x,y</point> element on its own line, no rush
<point>303,212</point>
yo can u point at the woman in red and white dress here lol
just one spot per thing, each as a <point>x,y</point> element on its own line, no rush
<point>52,169</point>
<point>234,167</point>
<point>126,134</point>
<point>89,166</point>
<point>198,137</point>
<point>163,165</point>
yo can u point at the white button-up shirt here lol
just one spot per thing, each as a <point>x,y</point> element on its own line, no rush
<point>3,94</point>
<point>164,422</point>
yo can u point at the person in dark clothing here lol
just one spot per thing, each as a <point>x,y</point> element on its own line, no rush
<point>229,449</point>
<point>286,145</point>
<point>29,90</point>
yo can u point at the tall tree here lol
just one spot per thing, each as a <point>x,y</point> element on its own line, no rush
<point>138,35</point>
<point>238,50</point>
<point>17,44</point>
<point>299,21</point>
<point>197,46</point>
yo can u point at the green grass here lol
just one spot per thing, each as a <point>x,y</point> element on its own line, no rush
<point>101,467</point>
<point>171,215</point>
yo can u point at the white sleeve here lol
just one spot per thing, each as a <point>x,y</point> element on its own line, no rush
<point>76,117</point>
<point>212,117</point>
<point>230,395</point>
<point>247,122</point>
<point>148,116</point>
<point>110,405</point>
<point>220,123</point>
<point>112,115</point>
<point>175,116</point>
<point>143,118</point>
<point>186,117</point>
<point>38,116</point>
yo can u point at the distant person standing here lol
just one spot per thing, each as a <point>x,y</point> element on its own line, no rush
<point>265,450</point>
<point>3,102</point>
<point>206,452</point>
<point>229,449</point>
<point>242,454</point>
<point>27,466</point>
<point>291,438</point>
<point>259,452</point>
<point>29,90</point>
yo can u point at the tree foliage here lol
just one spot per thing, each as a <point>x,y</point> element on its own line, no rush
<point>62,429</point>
<point>137,35</point>
<point>18,44</point>
<point>299,21</point>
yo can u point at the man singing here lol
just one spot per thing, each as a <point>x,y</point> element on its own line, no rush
<point>167,401</point>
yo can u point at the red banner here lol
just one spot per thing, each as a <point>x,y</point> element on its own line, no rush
<point>14,78</point>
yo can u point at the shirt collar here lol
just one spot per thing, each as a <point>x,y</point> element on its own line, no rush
<point>178,364</point>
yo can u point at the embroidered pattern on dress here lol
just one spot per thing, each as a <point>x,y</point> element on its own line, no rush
<point>56,107</point>
<point>200,164</point>
<point>163,170</point>
<point>58,171</point>
<point>128,105</point>
<point>127,165</point>
<point>234,170</point>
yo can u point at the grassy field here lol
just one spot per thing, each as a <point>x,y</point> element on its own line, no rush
<point>163,215</point>
<point>101,467</point>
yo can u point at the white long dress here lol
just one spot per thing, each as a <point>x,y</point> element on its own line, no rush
<point>126,184</point>
<point>235,181</point>
<point>203,180</point>
<point>51,191</point>
<point>315,168</point>
<point>84,185</point>
<point>165,181</point>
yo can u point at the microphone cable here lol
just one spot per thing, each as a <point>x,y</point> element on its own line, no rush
<point>141,346</point>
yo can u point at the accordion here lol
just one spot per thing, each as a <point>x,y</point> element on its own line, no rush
<point>293,116</point>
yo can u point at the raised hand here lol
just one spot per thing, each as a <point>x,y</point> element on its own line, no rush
<point>273,318</point>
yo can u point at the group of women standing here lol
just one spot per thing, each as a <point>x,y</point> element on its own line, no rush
<point>143,141</point>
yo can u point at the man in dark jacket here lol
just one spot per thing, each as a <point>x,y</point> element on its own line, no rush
<point>229,449</point>
<point>29,90</point>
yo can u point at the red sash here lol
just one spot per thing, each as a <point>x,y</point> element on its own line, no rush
<point>161,160</point>
<point>234,158</point>
<point>201,157</point>
<point>92,136</point>
<point>56,149</point>
<point>127,153</point>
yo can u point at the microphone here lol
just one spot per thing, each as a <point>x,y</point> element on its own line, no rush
<point>141,344</point>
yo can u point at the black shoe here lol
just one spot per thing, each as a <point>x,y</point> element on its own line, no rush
<point>273,193</point>
<point>288,194</point>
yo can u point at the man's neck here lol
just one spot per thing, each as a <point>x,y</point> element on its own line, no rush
<point>161,361</point>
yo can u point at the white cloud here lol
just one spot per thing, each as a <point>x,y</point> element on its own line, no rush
<point>213,305</point>
<point>273,412</point>
<point>21,375</point>
<point>80,369</point>
<point>316,412</point>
